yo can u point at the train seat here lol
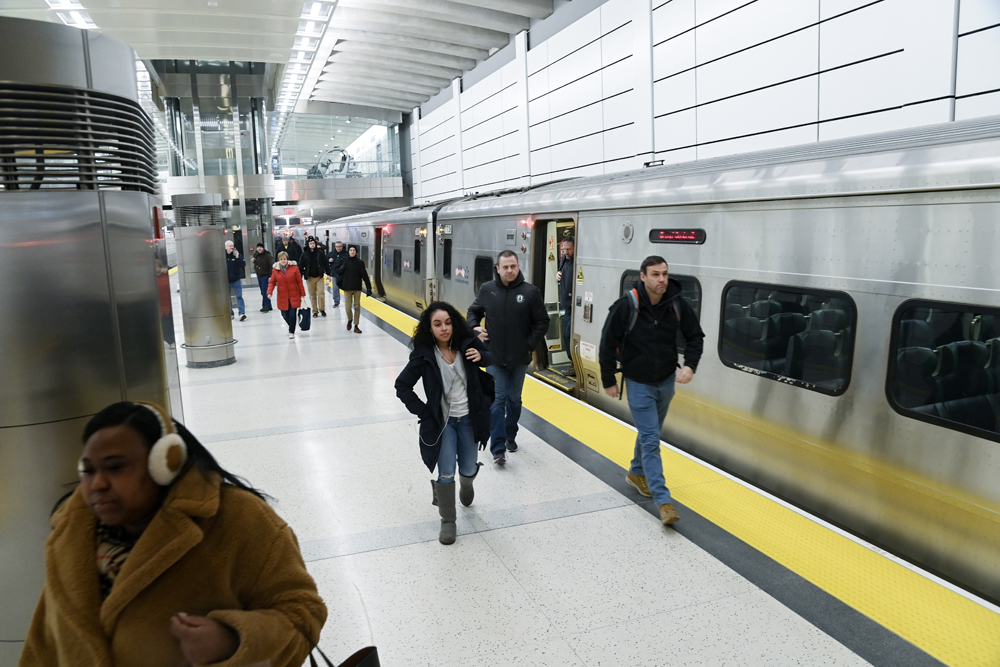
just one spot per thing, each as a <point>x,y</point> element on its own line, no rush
<point>828,319</point>
<point>779,329</point>
<point>962,370</point>
<point>734,310</point>
<point>914,333</point>
<point>765,308</point>
<point>985,328</point>
<point>742,341</point>
<point>814,356</point>
<point>914,384</point>
<point>978,411</point>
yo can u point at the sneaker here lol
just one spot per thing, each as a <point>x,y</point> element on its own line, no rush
<point>668,515</point>
<point>323,313</point>
<point>500,459</point>
<point>291,335</point>
<point>357,330</point>
<point>511,446</point>
<point>263,310</point>
<point>336,305</point>
<point>638,482</point>
<point>242,317</point>
<point>348,325</point>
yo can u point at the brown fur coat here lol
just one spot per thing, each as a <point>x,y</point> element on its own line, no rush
<point>211,550</point>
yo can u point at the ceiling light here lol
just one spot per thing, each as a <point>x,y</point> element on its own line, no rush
<point>339,130</point>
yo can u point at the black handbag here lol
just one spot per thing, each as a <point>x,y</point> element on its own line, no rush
<point>305,319</point>
<point>366,657</point>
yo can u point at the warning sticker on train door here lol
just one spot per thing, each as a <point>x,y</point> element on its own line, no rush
<point>588,351</point>
<point>579,275</point>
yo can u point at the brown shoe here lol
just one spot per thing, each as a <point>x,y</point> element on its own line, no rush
<point>638,482</point>
<point>668,515</point>
<point>348,325</point>
<point>357,330</point>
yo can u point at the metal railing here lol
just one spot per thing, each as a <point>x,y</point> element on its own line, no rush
<point>338,169</point>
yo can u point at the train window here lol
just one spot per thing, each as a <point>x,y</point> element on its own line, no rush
<point>446,259</point>
<point>798,336</point>
<point>944,364</point>
<point>416,256</point>
<point>483,271</point>
<point>397,263</point>
<point>691,292</point>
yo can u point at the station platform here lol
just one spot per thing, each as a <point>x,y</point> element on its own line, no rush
<point>558,561</point>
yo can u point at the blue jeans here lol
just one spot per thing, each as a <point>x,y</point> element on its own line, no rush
<point>457,441</point>
<point>336,291</point>
<point>291,316</point>
<point>262,281</point>
<point>567,326</point>
<point>238,287</point>
<point>648,404</point>
<point>506,408</point>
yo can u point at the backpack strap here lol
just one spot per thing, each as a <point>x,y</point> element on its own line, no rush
<point>633,301</point>
<point>677,310</point>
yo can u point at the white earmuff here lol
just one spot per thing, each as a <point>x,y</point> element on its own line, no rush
<point>169,453</point>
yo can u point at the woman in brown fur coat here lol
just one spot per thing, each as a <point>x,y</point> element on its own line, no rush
<point>162,558</point>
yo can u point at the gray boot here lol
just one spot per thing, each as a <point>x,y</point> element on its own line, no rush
<point>446,507</point>
<point>467,493</point>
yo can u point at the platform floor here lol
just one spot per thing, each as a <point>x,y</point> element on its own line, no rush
<point>553,565</point>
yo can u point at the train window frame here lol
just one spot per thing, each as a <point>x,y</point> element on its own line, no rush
<point>416,256</point>
<point>477,280</point>
<point>890,374</point>
<point>848,347</point>
<point>397,262</point>
<point>446,259</point>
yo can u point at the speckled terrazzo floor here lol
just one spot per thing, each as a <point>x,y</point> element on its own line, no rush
<point>551,567</point>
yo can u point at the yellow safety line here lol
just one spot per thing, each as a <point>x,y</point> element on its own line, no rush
<point>945,624</point>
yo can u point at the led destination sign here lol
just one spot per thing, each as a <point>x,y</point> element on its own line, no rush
<point>696,236</point>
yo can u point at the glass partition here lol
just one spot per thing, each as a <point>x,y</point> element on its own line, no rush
<point>313,146</point>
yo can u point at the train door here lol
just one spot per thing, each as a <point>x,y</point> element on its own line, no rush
<point>379,263</point>
<point>557,367</point>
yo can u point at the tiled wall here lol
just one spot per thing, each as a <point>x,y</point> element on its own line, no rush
<point>637,80</point>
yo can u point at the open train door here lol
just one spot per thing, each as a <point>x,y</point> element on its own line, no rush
<point>555,364</point>
<point>379,263</point>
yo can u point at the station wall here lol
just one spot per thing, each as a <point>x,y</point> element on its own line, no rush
<point>677,80</point>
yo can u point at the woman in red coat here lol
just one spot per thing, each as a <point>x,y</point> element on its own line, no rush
<point>286,277</point>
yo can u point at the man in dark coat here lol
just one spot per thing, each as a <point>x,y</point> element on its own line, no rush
<point>334,261</point>
<point>262,265</point>
<point>349,276</point>
<point>647,352</point>
<point>516,323</point>
<point>313,267</point>
<point>235,266</point>
<point>294,250</point>
<point>565,277</point>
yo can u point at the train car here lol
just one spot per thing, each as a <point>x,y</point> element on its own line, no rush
<point>851,312</point>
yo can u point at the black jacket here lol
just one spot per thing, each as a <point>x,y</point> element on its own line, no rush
<point>423,365</point>
<point>312,264</point>
<point>649,352</point>
<point>351,273</point>
<point>338,259</point>
<point>516,320</point>
<point>566,283</point>
<point>293,249</point>
<point>235,266</point>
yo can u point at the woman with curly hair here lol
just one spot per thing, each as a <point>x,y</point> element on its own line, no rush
<point>446,356</point>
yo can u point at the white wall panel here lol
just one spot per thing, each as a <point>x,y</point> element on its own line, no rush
<point>760,142</point>
<point>677,92</point>
<point>671,19</point>
<point>618,78</point>
<point>674,56</point>
<point>713,9</point>
<point>537,57</point>
<point>575,95</point>
<point>869,86</point>
<point>676,130</point>
<point>616,44</point>
<point>615,13</point>
<point>540,135</point>
<point>539,110</point>
<point>619,110</point>
<point>867,124</point>
<point>978,14</point>
<point>511,144</point>
<point>572,67</point>
<point>830,8</point>
<point>978,62</point>
<point>619,143</point>
<point>752,25</point>
<point>541,162</point>
<point>585,150</point>
<point>679,155</point>
<point>928,31</point>
<point>781,60</point>
<point>769,109</point>
<point>538,84</point>
<point>975,107</point>
<point>583,121</point>
<point>862,34</point>
<point>925,113</point>
<point>573,36</point>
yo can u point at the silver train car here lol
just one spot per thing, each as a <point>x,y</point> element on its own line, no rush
<point>849,301</point>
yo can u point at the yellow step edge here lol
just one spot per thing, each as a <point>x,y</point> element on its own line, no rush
<point>945,624</point>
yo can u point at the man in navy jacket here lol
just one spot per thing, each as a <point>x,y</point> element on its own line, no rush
<point>235,266</point>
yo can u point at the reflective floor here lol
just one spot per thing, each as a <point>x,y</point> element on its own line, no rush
<point>552,566</point>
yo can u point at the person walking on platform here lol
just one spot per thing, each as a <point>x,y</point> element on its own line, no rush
<point>446,356</point>
<point>235,266</point>
<point>334,260</point>
<point>161,557</point>
<point>516,323</point>
<point>350,275</point>
<point>640,336</point>
<point>262,265</point>
<point>565,276</point>
<point>286,278</point>
<point>313,267</point>
<point>294,250</point>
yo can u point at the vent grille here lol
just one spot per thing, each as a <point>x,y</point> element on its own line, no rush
<point>66,138</point>
<point>197,216</point>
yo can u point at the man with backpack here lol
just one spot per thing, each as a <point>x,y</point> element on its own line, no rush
<point>640,335</point>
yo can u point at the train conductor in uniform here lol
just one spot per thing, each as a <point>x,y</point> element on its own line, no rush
<point>641,335</point>
<point>516,323</point>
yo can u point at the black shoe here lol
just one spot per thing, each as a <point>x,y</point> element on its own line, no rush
<point>242,317</point>
<point>323,313</point>
<point>511,446</point>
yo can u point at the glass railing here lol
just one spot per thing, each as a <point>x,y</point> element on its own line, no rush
<point>338,169</point>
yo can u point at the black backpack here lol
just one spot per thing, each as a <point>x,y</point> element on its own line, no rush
<point>633,301</point>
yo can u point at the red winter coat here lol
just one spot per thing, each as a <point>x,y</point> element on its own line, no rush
<point>289,283</point>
